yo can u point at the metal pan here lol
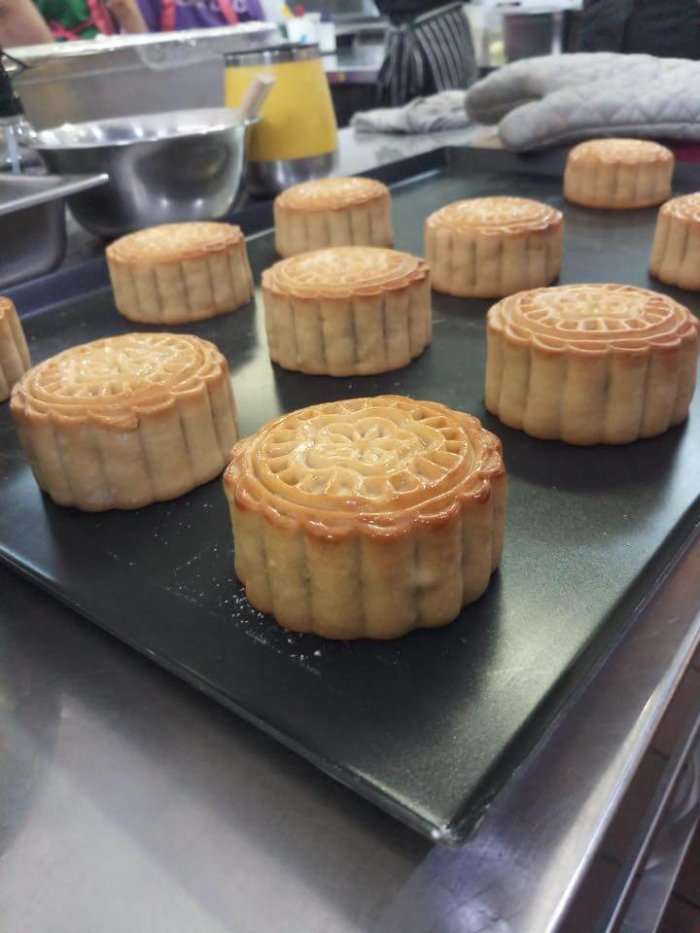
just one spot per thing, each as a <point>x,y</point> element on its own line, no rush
<point>429,727</point>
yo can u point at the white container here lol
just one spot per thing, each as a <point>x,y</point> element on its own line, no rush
<point>273,10</point>
<point>302,29</point>
<point>326,38</point>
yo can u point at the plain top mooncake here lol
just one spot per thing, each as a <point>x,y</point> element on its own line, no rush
<point>125,421</point>
<point>591,364</point>
<point>175,273</point>
<point>14,354</point>
<point>351,310</point>
<point>367,518</point>
<point>618,174</point>
<point>493,246</point>
<point>675,254</point>
<point>333,212</point>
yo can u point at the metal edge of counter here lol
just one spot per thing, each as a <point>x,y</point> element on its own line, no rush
<point>524,864</point>
<point>672,842</point>
<point>674,812</point>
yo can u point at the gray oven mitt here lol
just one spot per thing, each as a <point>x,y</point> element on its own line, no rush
<point>554,100</point>
<point>443,111</point>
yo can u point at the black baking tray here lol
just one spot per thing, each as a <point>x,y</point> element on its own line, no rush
<point>431,726</point>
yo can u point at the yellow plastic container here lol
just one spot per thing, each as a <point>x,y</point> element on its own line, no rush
<point>298,118</point>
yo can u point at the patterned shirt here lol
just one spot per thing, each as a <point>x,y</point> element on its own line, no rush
<point>198,14</point>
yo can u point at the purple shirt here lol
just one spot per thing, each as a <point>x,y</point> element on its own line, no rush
<point>198,14</point>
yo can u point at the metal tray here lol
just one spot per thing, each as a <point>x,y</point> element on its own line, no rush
<point>431,726</point>
<point>33,222</point>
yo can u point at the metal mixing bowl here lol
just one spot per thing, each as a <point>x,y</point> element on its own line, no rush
<point>165,167</point>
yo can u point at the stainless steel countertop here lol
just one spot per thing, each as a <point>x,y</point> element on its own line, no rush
<point>130,802</point>
<point>358,64</point>
<point>361,152</point>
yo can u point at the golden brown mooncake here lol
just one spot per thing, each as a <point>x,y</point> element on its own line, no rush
<point>591,364</point>
<point>14,354</point>
<point>675,255</point>
<point>125,421</point>
<point>618,174</point>
<point>176,273</point>
<point>493,246</point>
<point>349,310</point>
<point>332,212</point>
<point>367,518</point>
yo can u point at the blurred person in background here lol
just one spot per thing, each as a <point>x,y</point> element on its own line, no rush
<point>22,24</point>
<point>166,15</point>
<point>428,49</point>
<point>85,19</point>
<point>668,28</point>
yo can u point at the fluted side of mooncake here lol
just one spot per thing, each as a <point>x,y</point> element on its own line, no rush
<point>591,364</point>
<point>177,273</point>
<point>494,246</point>
<point>367,518</point>
<point>126,421</point>
<point>333,212</point>
<point>14,354</point>
<point>347,311</point>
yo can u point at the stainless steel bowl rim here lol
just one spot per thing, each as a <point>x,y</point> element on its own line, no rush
<point>82,48</point>
<point>170,180</point>
<point>222,119</point>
